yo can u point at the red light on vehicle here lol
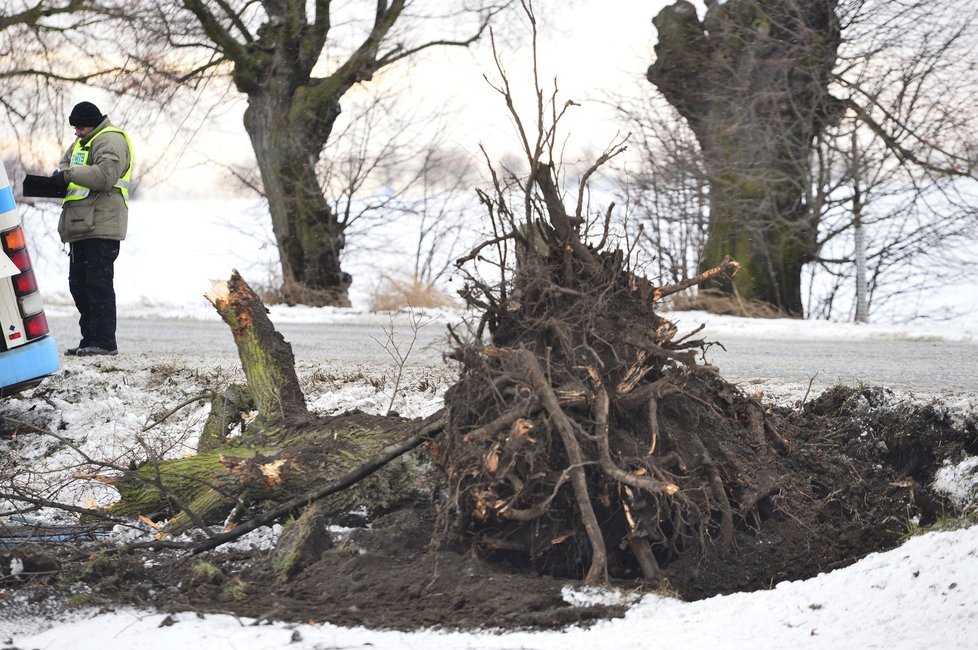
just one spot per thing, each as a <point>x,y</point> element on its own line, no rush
<point>36,325</point>
<point>14,239</point>
<point>24,283</point>
<point>21,259</point>
<point>14,336</point>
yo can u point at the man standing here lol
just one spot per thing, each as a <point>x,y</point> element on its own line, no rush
<point>97,170</point>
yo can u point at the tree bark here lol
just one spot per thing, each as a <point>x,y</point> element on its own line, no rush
<point>310,238</point>
<point>237,481</point>
<point>752,80</point>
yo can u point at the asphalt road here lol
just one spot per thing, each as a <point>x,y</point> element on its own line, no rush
<point>923,367</point>
<point>932,367</point>
<point>347,342</point>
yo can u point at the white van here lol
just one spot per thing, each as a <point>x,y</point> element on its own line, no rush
<point>28,353</point>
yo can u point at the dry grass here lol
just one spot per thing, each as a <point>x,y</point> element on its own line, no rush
<point>392,295</point>
<point>716,303</point>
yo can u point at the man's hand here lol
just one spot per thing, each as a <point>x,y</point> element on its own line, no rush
<point>59,177</point>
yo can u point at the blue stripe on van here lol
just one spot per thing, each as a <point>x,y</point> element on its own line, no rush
<point>32,360</point>
<point>7,202</point>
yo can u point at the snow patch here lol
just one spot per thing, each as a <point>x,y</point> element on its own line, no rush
<point>591,596</point>
<point>959,482</point>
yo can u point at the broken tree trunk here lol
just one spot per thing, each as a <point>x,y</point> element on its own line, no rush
<point>282,455</point>
<point>266,357</point>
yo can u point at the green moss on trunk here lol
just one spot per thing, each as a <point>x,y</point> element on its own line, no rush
<point>213,483</point>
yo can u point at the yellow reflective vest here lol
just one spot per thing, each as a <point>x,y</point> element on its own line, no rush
<point>79,157</point>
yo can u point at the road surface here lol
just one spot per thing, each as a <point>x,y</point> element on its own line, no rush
<point>919,366</point>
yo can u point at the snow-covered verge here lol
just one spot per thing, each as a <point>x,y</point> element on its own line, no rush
<point>94,415</point>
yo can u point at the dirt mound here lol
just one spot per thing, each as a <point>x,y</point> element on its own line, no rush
<point>383,576</point>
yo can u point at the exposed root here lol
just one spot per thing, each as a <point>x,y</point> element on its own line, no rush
<point>581,385</point>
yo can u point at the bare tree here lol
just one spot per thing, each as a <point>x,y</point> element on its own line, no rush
<point>390,165</point>
<point>377,176</point>
<point>34,38</point>
<point>439,212</point>
<point>295,62</point>
<point>894,178</point>
<point>666,191</point>
<point>53,49</point>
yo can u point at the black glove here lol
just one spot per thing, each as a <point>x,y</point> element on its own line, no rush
<point>59,178</point>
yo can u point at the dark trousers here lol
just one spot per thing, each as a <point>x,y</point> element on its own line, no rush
<point>90,276</point>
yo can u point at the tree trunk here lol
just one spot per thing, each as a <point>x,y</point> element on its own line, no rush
<point>752,81</point>
<point>236,481</point>
<point>289,119</point>
<point>858,232</point>
<point>310,239</point>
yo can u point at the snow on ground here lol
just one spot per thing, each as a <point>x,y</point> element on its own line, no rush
<point>922,594</point>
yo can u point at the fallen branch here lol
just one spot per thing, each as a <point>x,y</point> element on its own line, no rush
<point>728,264</point>
<point>187,402</point>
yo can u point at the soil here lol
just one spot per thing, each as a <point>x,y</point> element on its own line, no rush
<point>859,464</point>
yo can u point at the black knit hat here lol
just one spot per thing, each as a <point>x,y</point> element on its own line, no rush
<point>85,114</point>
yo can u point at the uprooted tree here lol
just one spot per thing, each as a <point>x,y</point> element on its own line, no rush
<point>585,440</point>
<point>582,437</point>
<point>577,432</point>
